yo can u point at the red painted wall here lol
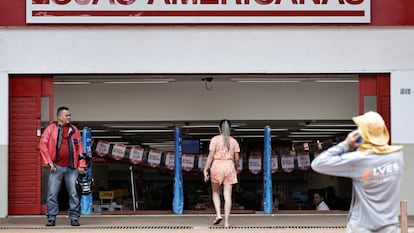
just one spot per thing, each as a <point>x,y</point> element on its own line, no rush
<point>383,13</point>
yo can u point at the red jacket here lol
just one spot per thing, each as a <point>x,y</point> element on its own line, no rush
<point>48,145</point>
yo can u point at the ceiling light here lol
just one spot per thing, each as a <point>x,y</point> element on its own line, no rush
<point>331,125</point>
<point>337,81</point>
<point>147,131</point>
<point>311,136</point>
<point>106,136</point>
<point>137,126</point>
<point>199,126</point>
<point>141,81</point>
<point>99,130</point>
<point>312,132</point>
<point>258,129</point>
<point>265,80</point>
<point>195,134</point>
<point>71,82</point>
<point>326,130</point>
<point>301,141</point>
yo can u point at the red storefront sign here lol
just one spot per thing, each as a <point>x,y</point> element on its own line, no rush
<point>198,11</point>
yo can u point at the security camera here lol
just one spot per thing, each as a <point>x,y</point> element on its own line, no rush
<point>207,79</point>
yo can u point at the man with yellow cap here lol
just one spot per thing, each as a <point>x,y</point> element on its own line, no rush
<point>375,169</point>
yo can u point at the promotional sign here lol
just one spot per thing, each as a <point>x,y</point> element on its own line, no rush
<point>255,164</point>
<point>288,163</point>
<point>154,158</point>
<point>303,160</point>
<point>102,148</point>
<point>274,163</point>
<point>197,11</point>
<point>169,160</point>
<point>136,155</point>
<point>118,151</point>
<point>187,162</point>
<point>202,159</point>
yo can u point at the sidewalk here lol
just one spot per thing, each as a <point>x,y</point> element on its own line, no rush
<point>242,223</point>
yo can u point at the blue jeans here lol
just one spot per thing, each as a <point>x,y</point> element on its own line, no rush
<point>55,180</point>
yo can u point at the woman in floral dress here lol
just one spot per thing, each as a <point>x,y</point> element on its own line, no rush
<point>223,160</point>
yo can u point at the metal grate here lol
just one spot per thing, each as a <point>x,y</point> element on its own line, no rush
<point>280,227</point>
<point>99,227</point>
<point>170,227</point>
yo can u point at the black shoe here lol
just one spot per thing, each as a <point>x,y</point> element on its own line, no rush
<point>74,222</point>
<point>50,223</point>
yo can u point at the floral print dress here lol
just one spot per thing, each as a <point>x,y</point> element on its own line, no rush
<point>223,170</point>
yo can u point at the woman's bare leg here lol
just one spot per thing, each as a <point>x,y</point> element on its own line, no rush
<point>227,191</point>
<point>216,198</point>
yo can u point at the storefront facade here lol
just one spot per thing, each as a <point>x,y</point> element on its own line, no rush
<point>380,47</point>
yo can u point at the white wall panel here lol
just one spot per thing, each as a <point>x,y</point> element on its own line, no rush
<point>4,141</point>
<point>200,49</point>
<point>4,108</point>
<point>191,101</point>
<point>402,106</point>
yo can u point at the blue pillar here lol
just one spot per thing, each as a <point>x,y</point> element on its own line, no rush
<point>178,200</point>
<point>267,173</point>
<point>87,200</point>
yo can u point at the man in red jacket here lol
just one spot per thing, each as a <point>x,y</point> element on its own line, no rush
<point>61,148</point>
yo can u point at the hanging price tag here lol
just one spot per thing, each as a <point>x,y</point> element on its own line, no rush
<point>288,163</point>
<point>102,148</point>
<point>169,160</point>
<point>255,164</point>
<point>274,163</point>
<point>136,155</point>
<point>303,161</point>
<point>187,162</point>
<point>118,151</point>
<point>154,158</point>
<point>202,159</point>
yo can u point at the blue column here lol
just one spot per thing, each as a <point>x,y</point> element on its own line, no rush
<point>267,173</point>
<point>87,200</point>
<point>178,200</point>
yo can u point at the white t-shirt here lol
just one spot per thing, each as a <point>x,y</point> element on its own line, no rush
<point>322,206</point>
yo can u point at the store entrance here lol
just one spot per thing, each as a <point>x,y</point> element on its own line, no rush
<point>137,115</point>
<point>148,184</point>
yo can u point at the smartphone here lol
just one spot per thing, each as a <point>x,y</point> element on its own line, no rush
<point>359,139</point>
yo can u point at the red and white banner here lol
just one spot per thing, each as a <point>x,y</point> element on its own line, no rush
<point>102,148</point>
<point>187,162</point>
<point>197,11</point>
<point>274,163</point>
<point>202,159</point>
<point>118,151</point>
<point>154,158</point>
<point>169,160</point>
<point>303,161</point>
<point>136,155</point>
<point>255,164</point>
<point>288,163</point>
